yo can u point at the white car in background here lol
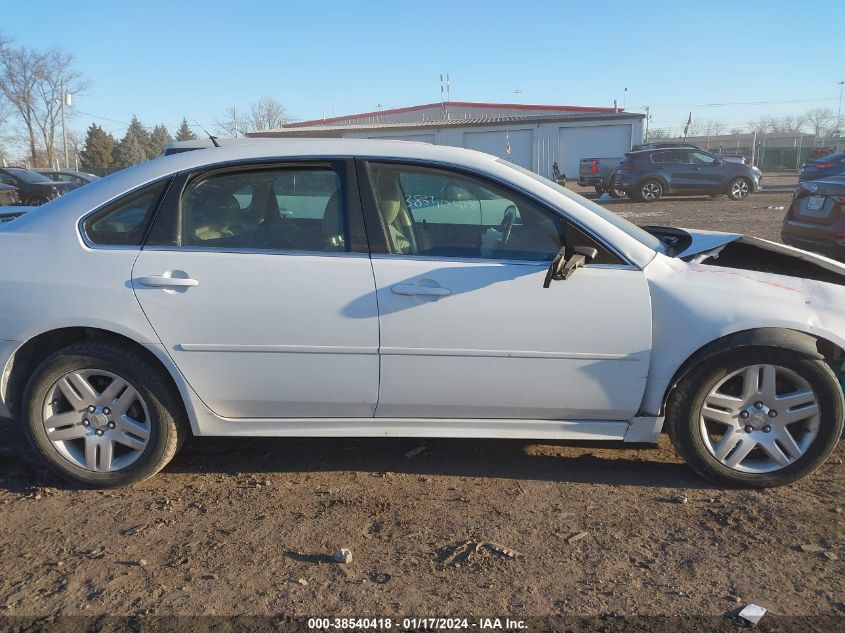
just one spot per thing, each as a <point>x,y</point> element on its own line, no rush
<point>386,288</point>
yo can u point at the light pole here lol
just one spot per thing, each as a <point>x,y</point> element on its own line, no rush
<point>65,98</point>
<point>839,116</point>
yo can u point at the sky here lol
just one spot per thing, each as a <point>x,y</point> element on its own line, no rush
<point>162,60</point>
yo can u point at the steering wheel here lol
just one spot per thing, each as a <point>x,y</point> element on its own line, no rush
<point>508,221</point>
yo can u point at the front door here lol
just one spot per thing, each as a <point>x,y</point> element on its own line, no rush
<point>467,329</point>
<point>259,299</point>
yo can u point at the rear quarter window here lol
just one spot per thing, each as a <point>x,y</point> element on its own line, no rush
<point>124,221</point>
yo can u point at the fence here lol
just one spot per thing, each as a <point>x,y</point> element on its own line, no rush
<point>770,151</point>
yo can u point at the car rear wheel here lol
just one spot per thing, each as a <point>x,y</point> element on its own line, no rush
<point>650,191</point>
<point>100,415</point>
<point>739,189</point>
<point>599,189</point>
<point>756,417</point>
<point>615,193</point>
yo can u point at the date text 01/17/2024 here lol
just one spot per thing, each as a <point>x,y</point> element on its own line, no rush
<point>430,623</point>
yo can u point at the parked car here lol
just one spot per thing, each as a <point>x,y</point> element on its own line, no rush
<point>8,195</point>
<point>730,158</point>
<point>325,287</point>
<point>77,178</point>
<point>33,188</point>
<point>821,168</point>
<point>599,174</point>
<point>650,174</point>
<point>816,218</point>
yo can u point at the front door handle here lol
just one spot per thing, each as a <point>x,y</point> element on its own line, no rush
<point>160,281</point>
<point>412,290</point>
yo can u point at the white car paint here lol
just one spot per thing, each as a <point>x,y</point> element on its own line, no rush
<point>590,357</point>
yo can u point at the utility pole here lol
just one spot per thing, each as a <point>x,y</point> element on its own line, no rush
<point>647,117</point>
<point>64,129</point>
<point>839,116</point>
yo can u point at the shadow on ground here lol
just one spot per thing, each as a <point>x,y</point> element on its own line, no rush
<point>577,462</point>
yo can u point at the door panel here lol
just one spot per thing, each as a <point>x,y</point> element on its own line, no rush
<point>485,339</point>
<point>268,335</point>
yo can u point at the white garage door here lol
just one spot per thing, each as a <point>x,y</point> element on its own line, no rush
<point>593,141</point>
<point>521,141</point>
<point>422,138</point>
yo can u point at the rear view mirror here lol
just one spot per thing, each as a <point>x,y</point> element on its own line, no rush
<point>562,269</point>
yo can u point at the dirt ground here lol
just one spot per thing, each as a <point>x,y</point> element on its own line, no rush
<point>247,526</point>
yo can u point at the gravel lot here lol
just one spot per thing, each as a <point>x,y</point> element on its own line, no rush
<point>244,527</point>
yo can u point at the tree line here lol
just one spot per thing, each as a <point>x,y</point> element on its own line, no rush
<point>817,121</point>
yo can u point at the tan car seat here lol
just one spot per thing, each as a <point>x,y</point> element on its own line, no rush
<point>396,218</point>
<point>222,216</point>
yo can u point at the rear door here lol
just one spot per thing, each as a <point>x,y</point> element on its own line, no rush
<point>705,173</point>
<point>257,280</point>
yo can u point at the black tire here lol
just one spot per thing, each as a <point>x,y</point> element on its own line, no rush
<point>686,400</point>
<point>616,194</point>
<point>739,188</point>
<point>650,190</point>
<point>166,422</point>
<point>599,189</point>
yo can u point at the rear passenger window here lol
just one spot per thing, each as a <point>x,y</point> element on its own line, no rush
<point>123,223</point>
<point>270,209</point>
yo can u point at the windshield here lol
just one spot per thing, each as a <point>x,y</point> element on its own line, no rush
<point>27,176</point>
<point>632,230</point>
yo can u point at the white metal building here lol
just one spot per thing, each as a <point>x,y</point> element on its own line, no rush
<point>537,135</point>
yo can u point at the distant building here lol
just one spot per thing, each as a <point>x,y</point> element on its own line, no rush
<point>533,136</point>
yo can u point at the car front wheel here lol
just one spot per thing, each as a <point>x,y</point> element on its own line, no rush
<point>101,415</point>
<point>756,417</point>
<point>739,189</point>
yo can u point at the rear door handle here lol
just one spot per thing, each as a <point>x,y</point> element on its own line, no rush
<point>412,290</point>
<point>160,281</point>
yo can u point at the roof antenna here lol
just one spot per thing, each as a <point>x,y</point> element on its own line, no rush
<point>213,138</point>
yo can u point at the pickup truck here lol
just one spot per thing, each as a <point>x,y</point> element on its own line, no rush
<point>599,173</point>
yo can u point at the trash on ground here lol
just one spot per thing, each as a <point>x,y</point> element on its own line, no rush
<point>751,614</point>
<point>679,499</point>
<point>342,555</point>
<point>414,452</point>
<point>577,537</point>
<point>302,582</point>
<point>461,552</point>
<point>811,548</point>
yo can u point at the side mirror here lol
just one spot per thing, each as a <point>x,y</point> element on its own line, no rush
<point>562,269</point>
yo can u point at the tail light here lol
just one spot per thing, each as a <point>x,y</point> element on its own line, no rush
<point>595,168</point>
<point>840,199</point>
<point>824,165</point>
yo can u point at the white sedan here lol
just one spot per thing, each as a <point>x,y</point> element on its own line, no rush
<point>385,288</point>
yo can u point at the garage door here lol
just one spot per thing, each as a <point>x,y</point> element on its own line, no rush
<point>521,141</point>
<point>595,141</point>
<point>422,138</point>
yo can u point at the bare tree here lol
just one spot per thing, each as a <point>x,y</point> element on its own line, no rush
<point>55,72</point>
<point>819,119</point>
<point>18,80</point>
<point>788,124</point>
<point>706,127</point>
<point>267,114</point>
<point>232,123</point>
<point>762,125</point>
<point>32,83</point>
<point>736,131</point>
<point>658,133</point>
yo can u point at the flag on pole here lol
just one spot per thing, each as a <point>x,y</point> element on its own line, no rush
<point>508,143</point>
<point>688,125</point>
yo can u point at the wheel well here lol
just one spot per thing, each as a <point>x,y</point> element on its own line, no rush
<point>35,350</point>
<point>663,182</point>
<point>781,338</point>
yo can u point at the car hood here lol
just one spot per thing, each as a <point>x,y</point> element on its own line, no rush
<point>736,250</point>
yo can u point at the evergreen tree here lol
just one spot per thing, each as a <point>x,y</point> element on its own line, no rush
<point>184,133</point>
<point>98,150</point>
<point>133,147</point>
<point>159,139</point>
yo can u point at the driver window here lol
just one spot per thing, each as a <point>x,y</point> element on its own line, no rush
<point>432,212</point>
<point>699,158</point>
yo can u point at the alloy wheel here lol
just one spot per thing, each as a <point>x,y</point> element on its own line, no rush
<point>759,419</point>
<point>96,420</point>
<point>740,189</point>
<point>651,191</point>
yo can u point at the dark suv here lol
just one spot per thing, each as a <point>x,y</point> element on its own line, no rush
<point>648,175</point>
